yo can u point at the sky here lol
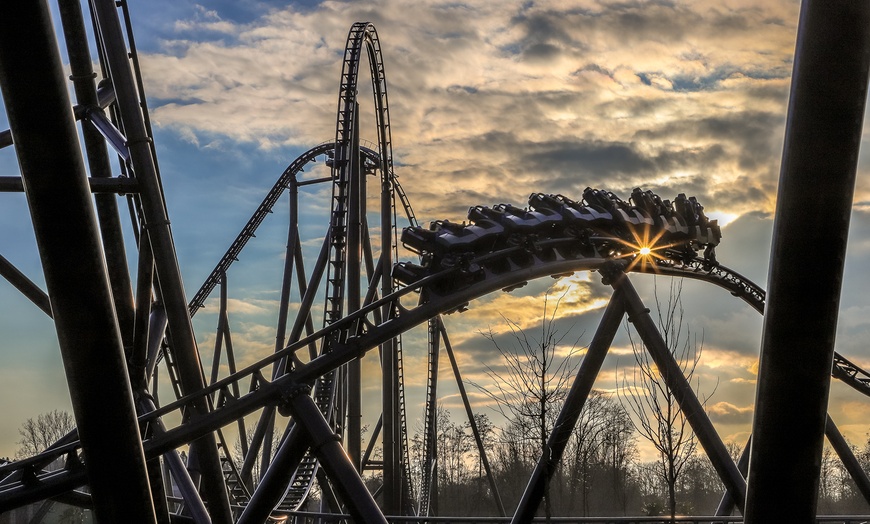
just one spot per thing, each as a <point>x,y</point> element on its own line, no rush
<point>490,101</point>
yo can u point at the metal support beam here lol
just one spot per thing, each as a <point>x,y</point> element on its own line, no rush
<point>158,489</point>
<point>303,317</point>
<point>83,78</point>
<point>847,457</point>
<point>192,501</point>
<point>325,443</point>
<point>670,370</point>
<point>570,413</point>
<point>15,184</point>
<point>46,144</point>
<point>726,503</point>
<point>273,484</point>
<point>392,448</point>
<point>156,223</point>
<point>470,414</point>
<point>813,206</point>
<point>26,286</point>
<point>280,367</point>
<point>356,209</point>
<point>256,444</point>
<point>137,361</point>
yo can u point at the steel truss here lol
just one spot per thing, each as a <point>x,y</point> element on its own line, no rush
<point>313,375</point>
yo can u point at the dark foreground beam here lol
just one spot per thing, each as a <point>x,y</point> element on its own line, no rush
<point>156,225</point>
<point>20,281</point>
<point>15,184</point>
<point>46,144</point>
<point>817,179</point>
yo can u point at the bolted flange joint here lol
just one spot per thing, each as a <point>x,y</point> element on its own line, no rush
<point>611,270</point>
<point>288,393</point>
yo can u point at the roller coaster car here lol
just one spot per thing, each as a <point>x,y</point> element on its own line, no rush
<point>675,228</point>
<point>601,224</point>
<point>515,219</point>
<point>408,273</point>
<point>548,220</point>
<point>458,238</point>
<point>632,216</point>
<point>701,229</point>
<point>650,203</point>
<point>444,237</point>
<point>581,215</point>
<point>573,213</point>
<point>417,239</point>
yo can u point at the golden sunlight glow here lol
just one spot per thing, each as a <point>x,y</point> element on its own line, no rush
<point>644,251</point>
<point>723,218</point>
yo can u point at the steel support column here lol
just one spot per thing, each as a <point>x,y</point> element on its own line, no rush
<point>570,412</point>
<point>274,482</point>
<point>470,414</point>
<point>639,315</point>
<point>46,144</point>
<point>355,211</point>
<point>156,223</point>
<point>817,179</point>
<point>84,82</point>
<point>726,503</point>
<point>848,458</point>
<point>303,316</point>
<point>392,432</point>
<point>325,444</point>
<point>189,494</point>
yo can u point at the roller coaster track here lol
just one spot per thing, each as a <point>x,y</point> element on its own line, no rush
<point>443,291</point>
<point>259,215</point>
<point>340,154</point>
<point>429,419</point>
<point>502,248</point>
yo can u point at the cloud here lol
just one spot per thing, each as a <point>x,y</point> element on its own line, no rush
<point>243,307</point>
<point>727,413</point>
<point>662,94</point>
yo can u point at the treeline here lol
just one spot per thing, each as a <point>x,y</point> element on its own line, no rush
<point>600,473</point>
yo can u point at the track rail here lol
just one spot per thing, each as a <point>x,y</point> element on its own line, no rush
<point>260,214</point>
<point>447,290</point>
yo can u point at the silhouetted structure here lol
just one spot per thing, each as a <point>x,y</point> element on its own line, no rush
<point>115,332</point>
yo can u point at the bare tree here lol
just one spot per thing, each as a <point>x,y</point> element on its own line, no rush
<point>486,429</point>
<point>534,381</point>
<point>600,450</point>
<point>43,431</point>
<point>618,450</point>
<point>586,445</point>
<point>454,446</point>
<point>238,456</point>
<point>657,416</point>
<point>828,492</point>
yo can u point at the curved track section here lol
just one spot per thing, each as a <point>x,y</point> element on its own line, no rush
<point>649,234</point>
<point>444,290</point>
<point>262,211</point>
<point>361,36</point>
<point>341,154</point>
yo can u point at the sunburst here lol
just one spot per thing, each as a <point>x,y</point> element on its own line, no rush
<point>644,250</point>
